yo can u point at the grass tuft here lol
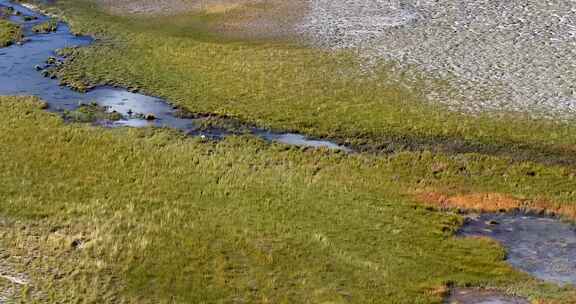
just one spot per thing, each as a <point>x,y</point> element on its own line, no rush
<point>10,33</point>
<point>46,27</point>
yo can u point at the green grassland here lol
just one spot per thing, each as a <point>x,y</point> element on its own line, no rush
<point>149,216</point>
<point>9,33</point>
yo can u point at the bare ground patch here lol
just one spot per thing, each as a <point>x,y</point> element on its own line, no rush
<point>163,7</point>
<point>239,18</point>
<point>473,296</point>
<point>264,19</point>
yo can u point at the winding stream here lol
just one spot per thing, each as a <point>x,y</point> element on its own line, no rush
<point>19,76</point>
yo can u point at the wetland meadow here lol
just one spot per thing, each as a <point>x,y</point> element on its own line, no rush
<point>251,151</point>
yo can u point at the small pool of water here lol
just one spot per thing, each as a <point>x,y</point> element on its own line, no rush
<point>19,77</point>
<point>544,247</point>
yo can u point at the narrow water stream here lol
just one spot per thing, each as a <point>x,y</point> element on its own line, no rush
<point>19,76</point>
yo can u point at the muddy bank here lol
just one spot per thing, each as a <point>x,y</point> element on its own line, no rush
<point>548,155</point>
<point>536,240</point>
<point>494,202</point>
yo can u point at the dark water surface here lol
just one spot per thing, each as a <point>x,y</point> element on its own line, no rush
<point>19,77</point>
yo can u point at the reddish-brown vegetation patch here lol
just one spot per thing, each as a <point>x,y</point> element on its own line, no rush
<point>495,202</point>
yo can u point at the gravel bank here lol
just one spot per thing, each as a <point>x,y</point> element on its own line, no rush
<point>498,55</point>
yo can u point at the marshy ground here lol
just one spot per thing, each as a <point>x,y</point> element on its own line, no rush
<point>150,215</point>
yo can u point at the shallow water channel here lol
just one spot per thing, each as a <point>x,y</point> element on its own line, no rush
<point>19,75</point>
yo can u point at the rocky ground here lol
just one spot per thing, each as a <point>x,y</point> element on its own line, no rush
<point>499,55</point>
